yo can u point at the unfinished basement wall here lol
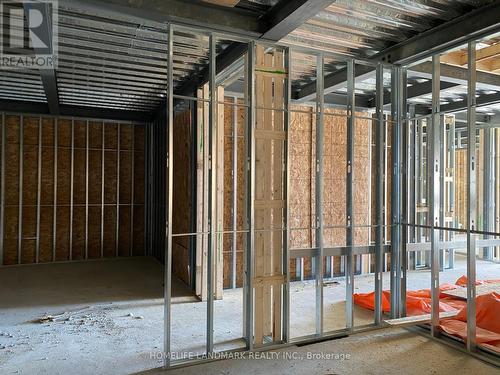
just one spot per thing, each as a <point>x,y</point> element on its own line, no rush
<point>73,189</point>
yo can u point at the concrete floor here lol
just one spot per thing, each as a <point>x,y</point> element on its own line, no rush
<point>109,316</point>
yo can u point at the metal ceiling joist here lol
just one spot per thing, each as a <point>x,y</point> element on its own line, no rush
<point>74,111</point>
<point>332,82</point>
<point>180,12</point>
<point>475,24</point>
<point>48,75</point>
<point>456,74</point>
<point>288,15</point>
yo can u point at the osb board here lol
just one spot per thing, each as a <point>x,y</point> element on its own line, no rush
<point>227,248</point>
<point>80,132</point>
<point>30,174</point>
<point>138,248</point>
<point>30,154</point>
<point>138,137</point>
<point>125,177</point>
<point>30,131</point>
<point>79,179</point>
<point>124,231</point>
<point>28,251</point>
<point>12,129</point>
<point>78,251</point>
<point>181,194</point>
<point>109,243</point>
<point>63,175</point>
<point>95,134</point>
<point>29,222</point>
<point>139,177</point>
<point>126,134</point>
<point>94,229</point>
<point>47,182</point>
<point>46,234</point>
<point>63,133</point>
<point>111,136</point>
<point>110,176</point>
<point>10,235</point>
<point>48,131</point>
<point>95,177</point>
<point>62,233</point>
<point>11,174</point>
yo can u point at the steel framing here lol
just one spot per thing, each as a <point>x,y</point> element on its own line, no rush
<point>159,235</point>
<point>407,131</point>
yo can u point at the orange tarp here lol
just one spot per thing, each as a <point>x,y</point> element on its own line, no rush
<point>418,302</point>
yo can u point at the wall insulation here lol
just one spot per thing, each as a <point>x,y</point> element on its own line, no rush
<point>74,189</point>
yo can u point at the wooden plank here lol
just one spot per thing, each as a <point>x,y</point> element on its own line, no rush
<point>277,196</point>
<point>419,319</point>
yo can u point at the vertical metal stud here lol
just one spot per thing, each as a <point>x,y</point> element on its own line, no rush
<point>349,270</point>
<point>434,143</point>
<point>2,188</point>
<point>117,223</point>
<point>38,190</point>
<point>404,183</point>
<point>87,189</point>
<point>212,125</point>
<point>235,191</point>
<point>379,193</point>
<point>72,173</point>
<point>132,192</point>
<point>286,234</point>
<point>21,180</point>
<point>396,146</point>
<point>471,197</point>
<point>54,216</point>
<point>168,249</point>
<point>488,188</point>
<point>250,193</point>
<point>103,147</point>
<point>320,101</point>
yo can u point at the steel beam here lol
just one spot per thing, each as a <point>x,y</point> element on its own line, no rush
<point>287,15</point>
<point>159,12</point>
<point>47,75</point>
<point>74,111</point>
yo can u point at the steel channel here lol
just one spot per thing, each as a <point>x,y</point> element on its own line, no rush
<point>471,196</point>
<point>434,143</point>
<point>168,248</point>
<point>349,269</point>
<point>235,192</point>
<point>38,190</point>
<point>319,191</point>
<point>21,180</point>
<point>379,193</point>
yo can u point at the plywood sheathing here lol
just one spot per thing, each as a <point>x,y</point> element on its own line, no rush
<point>302,181</point>
<point>181,195</point>
<point>56,246</point>
<point>228,192</point>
